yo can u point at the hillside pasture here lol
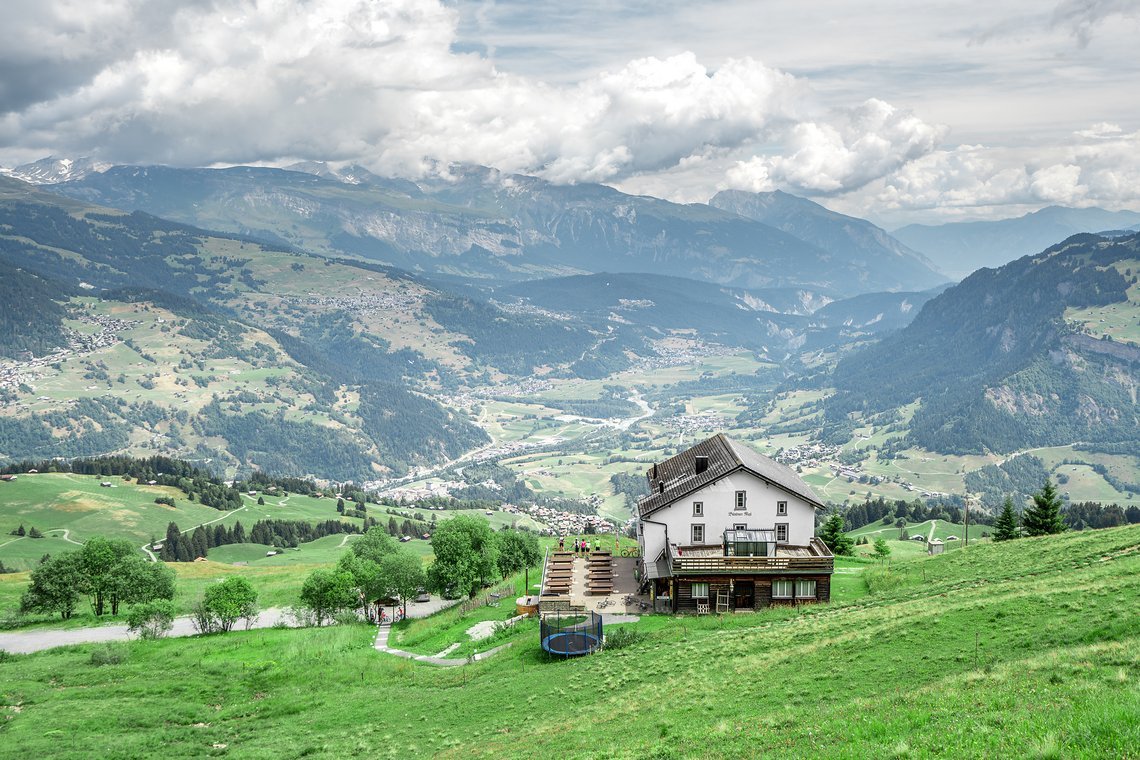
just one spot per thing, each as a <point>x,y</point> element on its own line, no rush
<point>978,653</point>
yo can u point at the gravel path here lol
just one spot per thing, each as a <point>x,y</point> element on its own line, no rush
<point>382,646</point>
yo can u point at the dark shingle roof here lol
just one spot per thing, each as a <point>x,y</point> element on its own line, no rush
<point>677,476</point>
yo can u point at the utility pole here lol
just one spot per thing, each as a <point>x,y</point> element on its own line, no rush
<point>967,538</point>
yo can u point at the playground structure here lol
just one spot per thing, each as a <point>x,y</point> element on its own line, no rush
<point>571,635</point>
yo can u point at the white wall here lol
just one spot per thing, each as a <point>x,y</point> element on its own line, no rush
<point>719,499</point>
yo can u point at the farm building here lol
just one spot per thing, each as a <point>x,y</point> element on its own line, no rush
<point>725,528</point>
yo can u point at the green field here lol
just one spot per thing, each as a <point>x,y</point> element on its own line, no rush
<point>978,653</point>
<point>904,549</point>
<point>78,504</point>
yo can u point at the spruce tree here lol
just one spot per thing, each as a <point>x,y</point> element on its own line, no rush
<point>831,533</point>
<point>198,542</point>
<point>1005,526</point>
<point>1044,517</point>
<point>170,545</point>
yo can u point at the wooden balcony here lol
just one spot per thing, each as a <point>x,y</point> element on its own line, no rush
<point>710,559</point>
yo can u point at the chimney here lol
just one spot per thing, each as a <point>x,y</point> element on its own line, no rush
<point>654,471</point>
<point>702,464</point>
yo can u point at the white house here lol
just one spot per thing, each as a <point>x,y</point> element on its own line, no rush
<point>726,528</point>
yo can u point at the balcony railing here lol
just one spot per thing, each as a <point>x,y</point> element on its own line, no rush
<point>710,559</point>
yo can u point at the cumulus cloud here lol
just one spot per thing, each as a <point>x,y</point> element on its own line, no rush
<point>1101,168</point>
<point>235,81</point>
<point>857,146</point>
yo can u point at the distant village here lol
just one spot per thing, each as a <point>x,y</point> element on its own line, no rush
<point>364,302</point>
<point>557,522</point>
<point>27,368</point>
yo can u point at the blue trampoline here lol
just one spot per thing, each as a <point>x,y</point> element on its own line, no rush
<point>571,635</point>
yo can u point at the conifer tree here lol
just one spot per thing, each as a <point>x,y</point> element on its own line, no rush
<point>198,543</point>
<point>1005,526</point>
<point>831,533</point>
<point>170,545</point>
<point>1044,517</point>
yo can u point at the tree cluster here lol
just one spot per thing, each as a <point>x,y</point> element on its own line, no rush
<point>110,572</point>
<point>189,546</point>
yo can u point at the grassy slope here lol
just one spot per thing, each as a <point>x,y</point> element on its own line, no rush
<point>894,674</point>
<point>77,503</point>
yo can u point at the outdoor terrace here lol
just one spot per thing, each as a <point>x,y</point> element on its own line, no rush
<point>712,559</point>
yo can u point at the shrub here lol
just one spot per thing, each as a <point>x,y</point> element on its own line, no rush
<point>108,654</point>
<point>151,620</point>
<point>620,638</point>
<point>201,617</point>
<point>880,580</point>
<point>229,601</point>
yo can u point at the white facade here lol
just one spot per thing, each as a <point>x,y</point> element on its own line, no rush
<point>765,507</point>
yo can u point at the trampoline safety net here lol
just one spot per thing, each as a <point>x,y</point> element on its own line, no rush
<point>571,634</point>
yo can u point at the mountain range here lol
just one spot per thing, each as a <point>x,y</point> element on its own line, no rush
<point>959,248</point>
<point>479,223</point>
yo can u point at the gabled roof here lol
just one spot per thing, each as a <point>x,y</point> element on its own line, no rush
<point>677,476</point>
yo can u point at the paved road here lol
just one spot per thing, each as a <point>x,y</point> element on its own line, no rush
<point>36,639</point>
<point>23,642</point>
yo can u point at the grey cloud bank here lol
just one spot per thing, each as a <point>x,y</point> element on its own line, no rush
<point>863,106</point>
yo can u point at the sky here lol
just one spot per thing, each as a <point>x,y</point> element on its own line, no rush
<point>895,111</point>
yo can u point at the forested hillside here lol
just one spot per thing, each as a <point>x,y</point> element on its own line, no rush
<point>129,332</point>
<point>998,366</point>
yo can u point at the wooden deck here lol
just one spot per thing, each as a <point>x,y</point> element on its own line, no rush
<point>814,558</point>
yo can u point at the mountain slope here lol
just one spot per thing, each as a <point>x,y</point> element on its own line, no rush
<point>152,334</point>
<point>731,316</point>
<point>481,223</point>
<point>886,259</point>
<point>1007,359</point>
<point>959,248</point>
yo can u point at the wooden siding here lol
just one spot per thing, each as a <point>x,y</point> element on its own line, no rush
<point>683,600</point>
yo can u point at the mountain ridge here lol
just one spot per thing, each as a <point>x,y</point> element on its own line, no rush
<point>481,223</point>
<point>962,247</point>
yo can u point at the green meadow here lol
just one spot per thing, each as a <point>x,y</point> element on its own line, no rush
<point>1027,648</point>
<point>79,505</point>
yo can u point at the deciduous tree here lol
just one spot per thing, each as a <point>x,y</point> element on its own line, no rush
<point>231,600</point>
<point>882,551</point>
<point>517,550</point>
<point>54,586</point>
<point>327,592</point>
<point>465,555</point>
<point>151,620</point>
<point>403,576</point>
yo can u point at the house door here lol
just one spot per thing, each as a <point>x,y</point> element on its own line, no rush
<point>744,595</point>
